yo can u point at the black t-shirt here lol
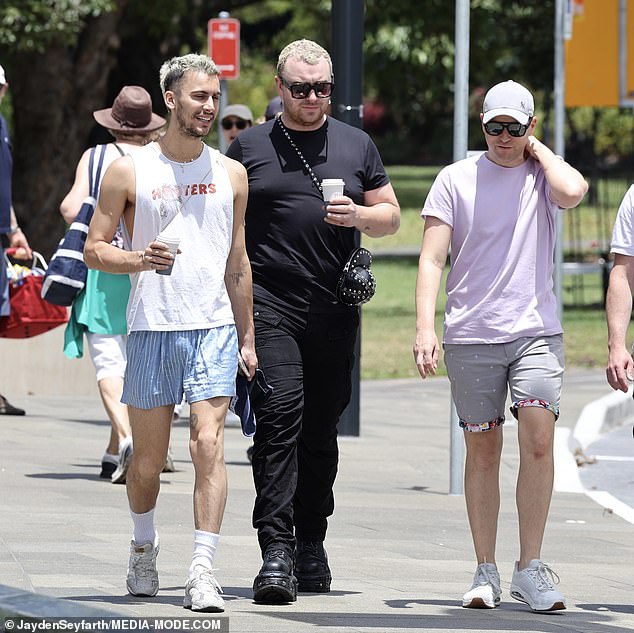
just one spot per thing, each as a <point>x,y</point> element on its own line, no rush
<point>296,256</point>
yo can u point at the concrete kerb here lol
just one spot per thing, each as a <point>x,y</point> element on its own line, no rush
<point>597,418</point>
<point>600,417</point>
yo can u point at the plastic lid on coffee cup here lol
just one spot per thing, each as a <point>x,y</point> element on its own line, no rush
<point>168,239</point>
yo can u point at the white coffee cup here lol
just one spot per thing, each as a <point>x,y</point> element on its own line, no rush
<point>332,187</point>
<point>172,242</point>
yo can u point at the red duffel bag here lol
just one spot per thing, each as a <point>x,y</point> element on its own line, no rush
<point>30,314</point>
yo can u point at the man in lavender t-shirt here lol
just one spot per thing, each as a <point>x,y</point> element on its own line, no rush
<point>497,213</point>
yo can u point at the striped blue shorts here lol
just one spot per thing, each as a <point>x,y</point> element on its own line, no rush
<point>162,366</point>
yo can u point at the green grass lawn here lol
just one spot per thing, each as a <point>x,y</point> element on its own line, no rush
<point>411,185</point>
<point>389,321</point>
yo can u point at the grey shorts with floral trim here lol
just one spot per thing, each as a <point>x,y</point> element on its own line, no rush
<point>531,368</point>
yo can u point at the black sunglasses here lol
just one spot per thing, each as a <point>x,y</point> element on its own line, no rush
<point>322,89</point>
<point>239,123</point>
<point>495,128</point>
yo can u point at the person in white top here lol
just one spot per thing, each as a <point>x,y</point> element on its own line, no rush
<point>618,306</point>
<point>497,212</point>
<point>187,325</point>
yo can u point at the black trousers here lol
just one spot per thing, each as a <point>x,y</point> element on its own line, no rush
<point>295,452</point>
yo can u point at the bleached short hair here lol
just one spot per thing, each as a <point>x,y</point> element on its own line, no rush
<point>172,71</point>
<point>306,51</point>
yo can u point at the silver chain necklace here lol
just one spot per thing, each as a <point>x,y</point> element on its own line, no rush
<point>311,173</point>
<point>173,158</point>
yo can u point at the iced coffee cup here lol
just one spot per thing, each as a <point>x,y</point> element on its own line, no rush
<point>332,187</point>
<point>172,243</point>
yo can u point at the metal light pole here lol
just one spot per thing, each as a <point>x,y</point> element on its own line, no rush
<point>460,144</point>
<point>224,101</point>
<point>558,90</point>
<point>347,60</point>
<point>347,105</point>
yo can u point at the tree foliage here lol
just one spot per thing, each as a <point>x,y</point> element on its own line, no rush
<point>410,51</point>
<point>31,25</point>
<point>67,58</point>
<point>601,136</point>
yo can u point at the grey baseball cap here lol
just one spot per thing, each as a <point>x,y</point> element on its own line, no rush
<point>238,110</point>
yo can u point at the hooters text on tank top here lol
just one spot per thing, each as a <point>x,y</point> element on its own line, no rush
<point>193,202</point>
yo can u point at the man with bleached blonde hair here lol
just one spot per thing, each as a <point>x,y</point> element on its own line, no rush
<point>189,312</point>
<point>298,244</point>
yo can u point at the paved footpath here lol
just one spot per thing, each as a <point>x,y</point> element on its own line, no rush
<point>399,544</point>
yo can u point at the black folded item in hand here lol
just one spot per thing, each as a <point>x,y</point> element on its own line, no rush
<point>250,394</point>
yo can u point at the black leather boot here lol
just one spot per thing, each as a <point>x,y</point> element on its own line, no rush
<point>6,408</point>
<point>311,567</point>
<point>275,583</point>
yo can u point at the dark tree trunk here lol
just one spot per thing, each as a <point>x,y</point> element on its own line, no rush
<point>54,95</point>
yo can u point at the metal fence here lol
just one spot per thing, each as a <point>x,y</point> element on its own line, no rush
<point>587,236</point>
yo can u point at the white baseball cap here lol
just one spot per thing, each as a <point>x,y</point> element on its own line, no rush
<point>511,99</point>
<point>3,78</point>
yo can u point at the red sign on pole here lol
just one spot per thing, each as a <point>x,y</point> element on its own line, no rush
<point>223,36</point>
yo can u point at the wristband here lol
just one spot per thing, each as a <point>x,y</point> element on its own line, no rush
<point>14,229</point>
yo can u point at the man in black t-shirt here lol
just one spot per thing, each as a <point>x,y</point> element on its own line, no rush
<point>298,245</point>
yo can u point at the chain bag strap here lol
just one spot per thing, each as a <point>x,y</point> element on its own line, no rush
<point>316,182</point>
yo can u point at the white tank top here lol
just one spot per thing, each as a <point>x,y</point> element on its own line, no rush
<point>192,201</point>
<point>113,151</point>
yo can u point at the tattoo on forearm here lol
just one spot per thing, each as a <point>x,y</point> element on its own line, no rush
<point>193,420</point>
<point>236,278</point>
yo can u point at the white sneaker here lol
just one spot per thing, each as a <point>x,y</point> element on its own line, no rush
<point>202,592</point>
<point>534,586</point>
<point>143,577</point>
<point>125,455</point>
<point>169,462</point>
<point>485,591</point>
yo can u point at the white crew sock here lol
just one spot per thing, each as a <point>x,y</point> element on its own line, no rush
<point>205,544</point>
<point>144,530</point>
